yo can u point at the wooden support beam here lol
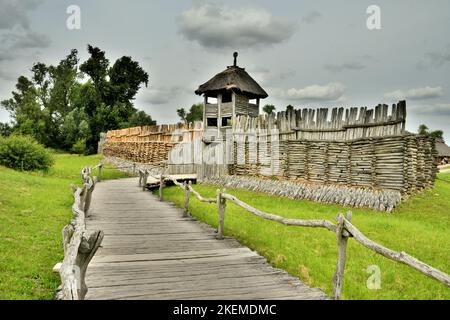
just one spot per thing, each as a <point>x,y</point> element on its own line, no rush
<point>338,279</point>
<point>221,204</point>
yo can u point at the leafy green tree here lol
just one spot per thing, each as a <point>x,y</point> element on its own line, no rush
<point>195,113</point>
<point>5,129</point>
<point>289,108</point>
<point>269,108</point>
<point>436,134</point>
<point>61,112</point>
<point>140,119</point>
<point>182,114</point>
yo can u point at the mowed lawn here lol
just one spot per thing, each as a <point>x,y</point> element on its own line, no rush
<point>34,207</point>
<point>420,227</point>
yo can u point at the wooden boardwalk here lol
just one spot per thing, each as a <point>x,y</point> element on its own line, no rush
<point>151,252</point>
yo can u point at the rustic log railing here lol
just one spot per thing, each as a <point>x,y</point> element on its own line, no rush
<point>79,245</point>
<point>343,229</point>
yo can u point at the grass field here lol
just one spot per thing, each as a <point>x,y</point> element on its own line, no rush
<point>420,227</point>
<point>34,207</point>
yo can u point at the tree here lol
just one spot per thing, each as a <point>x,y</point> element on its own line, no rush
<point>423,130</point>
<point>140,118</point>
<point>182,114</point>
<point>289,108</point>
<point>111,104</point>
<point>195,113</point>
<point>269,108</point>
<point>61,112</point>
<point>126,77</point>
<point>436,134</point>
<point>5,129</point>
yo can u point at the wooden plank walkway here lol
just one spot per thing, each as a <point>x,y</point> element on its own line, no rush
<point>151,252</point>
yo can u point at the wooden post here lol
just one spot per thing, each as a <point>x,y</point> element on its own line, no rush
<point>144,180</point>
<point>187,194</point>
<point>83,196</point>
<point>88,198</point>
<point>100,168</point>
<point>134,168</point>
<point>221,203</point>
<point>342,237</point>
<point>161,185</point>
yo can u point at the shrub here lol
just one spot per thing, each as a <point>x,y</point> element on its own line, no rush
<point>24,153</point>
<point>80,147</point>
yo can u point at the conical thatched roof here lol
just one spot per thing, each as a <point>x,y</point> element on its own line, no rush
<point>233,78</point>
<point>442,149</point>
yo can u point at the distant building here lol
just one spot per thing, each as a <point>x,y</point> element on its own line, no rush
<point>443,152</point>
<point>231,93</point>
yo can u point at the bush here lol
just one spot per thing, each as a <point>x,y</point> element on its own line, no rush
<point>80,147</point>
<point>24,153</point>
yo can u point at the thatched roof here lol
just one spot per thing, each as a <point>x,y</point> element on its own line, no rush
<point>442,149</point>
<point>233,78</point>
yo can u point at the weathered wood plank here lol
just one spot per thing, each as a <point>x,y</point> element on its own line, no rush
<point>152,251</point>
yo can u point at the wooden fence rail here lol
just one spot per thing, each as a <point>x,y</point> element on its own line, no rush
<point>343,229</point>
<point>79,245</point>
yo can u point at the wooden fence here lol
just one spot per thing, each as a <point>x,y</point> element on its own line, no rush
<point>340,124</point>
<point>343,228</point>
<point>79,245</point>
<point>404,163</point>
<point>150,144</point>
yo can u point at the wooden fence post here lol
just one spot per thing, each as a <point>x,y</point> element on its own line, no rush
<point>187,194</point>
<point>134,168</point>
<point>221,204</point>
<point>83,196</point>
<point>100,172</point>
<point>342,237</point>
<point>144,180</point>
<point>161,185</point>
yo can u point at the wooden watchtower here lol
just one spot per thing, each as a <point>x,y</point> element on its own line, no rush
<point>234,93</point>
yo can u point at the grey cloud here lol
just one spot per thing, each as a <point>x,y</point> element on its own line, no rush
<point>160,95</point>
<point>215,26</point>
<point>311,17</point>
<point>358,63</point>
<point>421,93</point>
<point>330,92</point>
<point>4,75</point>
<point>434,59</point>
<point>351,66</point>
<point>30,40</point>
<point>437,109</point>
<point>5,56</point>
<point>15,13</point>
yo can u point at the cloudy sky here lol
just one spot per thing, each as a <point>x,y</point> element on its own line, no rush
<point>304,53</point>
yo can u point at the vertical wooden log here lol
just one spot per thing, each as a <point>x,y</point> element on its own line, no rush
<point>161,185</point>
<point>134,168</point>
<point>86,251</point>
<point>83,196</point>
<point>187,194</point>
<point>144,180</point>
<point>88,198</point>
<point>221,203</point>
<point>100,172</point>
<point>338,279</point>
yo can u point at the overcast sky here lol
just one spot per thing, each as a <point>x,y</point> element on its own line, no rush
<point>304,53</point>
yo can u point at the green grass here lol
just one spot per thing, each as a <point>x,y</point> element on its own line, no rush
<point>420,227</point>
<point>34,207</point>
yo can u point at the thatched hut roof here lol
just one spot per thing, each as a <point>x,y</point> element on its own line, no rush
<point>442,149</point>
<point>233,78</point>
